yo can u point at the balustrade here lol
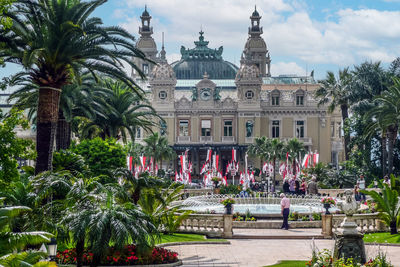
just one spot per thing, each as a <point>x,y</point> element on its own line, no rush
<point>367,223</point>
<point>212,225</point>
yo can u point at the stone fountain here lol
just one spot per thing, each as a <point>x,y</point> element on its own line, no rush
<point>349,242</point>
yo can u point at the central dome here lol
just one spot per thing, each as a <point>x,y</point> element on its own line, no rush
<point>201,59</point>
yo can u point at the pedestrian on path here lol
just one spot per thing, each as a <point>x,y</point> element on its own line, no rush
<point>361,186</point>
<point>313,187</point>
<point>285,208</point>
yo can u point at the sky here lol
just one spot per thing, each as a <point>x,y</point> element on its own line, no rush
<point>301,36</point>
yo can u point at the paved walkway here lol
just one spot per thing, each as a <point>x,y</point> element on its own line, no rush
<point>278,233</point>
<point>261,252</point>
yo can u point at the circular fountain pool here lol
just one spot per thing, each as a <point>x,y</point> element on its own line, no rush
<point>255,205</point>
<point>255,209</point>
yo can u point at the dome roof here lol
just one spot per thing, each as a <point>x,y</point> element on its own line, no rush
<point>163,71</point>
<point>255,13</point>
<point>145,13</point>
<point>248,72</point>
<point>201,59</point>
<point>255,43</point>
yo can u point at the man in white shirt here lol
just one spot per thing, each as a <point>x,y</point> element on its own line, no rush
<point>285,208</point>
<point>361,186</point>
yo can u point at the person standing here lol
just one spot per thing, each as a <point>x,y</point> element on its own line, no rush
<point>361,186</point>
<point>313,187</point>
<point>303,186</point>
<point>285,208</point>
<point>386,180</point>
<point>286,186</point>
<point>292,183</point>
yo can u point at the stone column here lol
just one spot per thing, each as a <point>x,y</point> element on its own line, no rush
<point>327,225</point>
<point>228,232</point>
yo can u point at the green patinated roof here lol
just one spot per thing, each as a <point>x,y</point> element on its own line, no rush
<point>202,59</point>
<point>223,83</point>
<point>289,79</point>
<point>230,83</point>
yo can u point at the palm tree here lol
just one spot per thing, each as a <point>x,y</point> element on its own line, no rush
<point>53,40</point>
<point>386,117</point>
<point>12,244</point>
<point>135,186</point>
<point>120,113</point>
<point>294,147</point>
<point>158,148</point>
<point>268,149</point>
<point>388,203</point>
<point>337,93</point>
<point>102,219</point>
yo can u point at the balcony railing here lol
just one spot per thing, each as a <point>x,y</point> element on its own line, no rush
<point>249,140</point>
<point>305,140</point>
<point>228,139</point>
<point>183,139</point>
<point>206,139</point>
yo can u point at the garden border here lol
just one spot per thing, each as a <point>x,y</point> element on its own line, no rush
<point>178,263</point>
<point>194,243</point>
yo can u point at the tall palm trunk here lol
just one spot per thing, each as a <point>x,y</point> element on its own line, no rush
<point>47,116</point>
<point>63,138</point>
<point>392,135</point>
<point>384,153</point>
<point>80,247</point>
<point>345,115</point>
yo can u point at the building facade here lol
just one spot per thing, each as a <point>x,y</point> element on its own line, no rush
<point>208,102</point>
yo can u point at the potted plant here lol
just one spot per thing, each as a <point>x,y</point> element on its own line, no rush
<point>327,202</point>
<point>228,205</point>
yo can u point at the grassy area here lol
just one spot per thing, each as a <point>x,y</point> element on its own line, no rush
<point>185,238</point>
<point>382,238</point>
<point>289,264</point>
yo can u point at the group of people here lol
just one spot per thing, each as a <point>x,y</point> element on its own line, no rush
<point>297,187</point>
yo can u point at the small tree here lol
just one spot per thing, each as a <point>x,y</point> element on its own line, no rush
<point>101,155</point>
<point>11,147</point>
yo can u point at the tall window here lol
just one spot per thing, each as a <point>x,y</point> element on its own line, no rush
<point>145,68</point>
<point>275,100</point>
<point>299,100</point>
<point>206,128</point>
<point>300,129</point>
<point>275,129</point>
<point>332,129</point>
<point>339,129</point>
<point>228,129</point>
<point>138,133</point>
<point>183,128</point>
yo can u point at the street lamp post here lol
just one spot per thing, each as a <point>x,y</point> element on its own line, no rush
<point>52,249</point>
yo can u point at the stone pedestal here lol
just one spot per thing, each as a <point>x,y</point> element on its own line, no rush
<point>228,232</point>
<point>350,246</point>
<point>327,225</point>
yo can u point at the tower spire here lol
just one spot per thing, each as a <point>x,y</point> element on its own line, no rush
<point>163,53</point>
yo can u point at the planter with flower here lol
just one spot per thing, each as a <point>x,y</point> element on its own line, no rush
<point>126,256</point>
<point>327,202</point>
<point>216,181</point>
<point>228,202</point>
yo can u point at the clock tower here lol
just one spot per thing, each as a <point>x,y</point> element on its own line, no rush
<point>205,90</point>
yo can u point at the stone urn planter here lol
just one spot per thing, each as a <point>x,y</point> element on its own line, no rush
<point>327,206</point>
<point>228,209</point>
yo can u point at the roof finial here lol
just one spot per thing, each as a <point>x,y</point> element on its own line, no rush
<point>162,48</point>
<point>255,7</point>
<point>145,7</point>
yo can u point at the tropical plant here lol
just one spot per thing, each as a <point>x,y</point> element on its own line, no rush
<point>70,161</point>
<point>294,148</point>
<point>388,203</point>
<point>13,244</point>
<point>160,207</point>
<point>268,149</point>
<point>100,155</point>
<point>100,219</point>
<point>385,116</point>
<point>54,41</point>
<point>134,185</point>
<point>336,92</point>
<point>121,113</point>
<point>157,147</point>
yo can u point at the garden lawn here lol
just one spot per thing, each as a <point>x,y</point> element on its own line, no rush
<point>289,264</point>
<point>382,238</point>
<point>185,238</point>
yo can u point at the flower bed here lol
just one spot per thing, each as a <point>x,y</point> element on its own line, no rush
<point>126,256</point>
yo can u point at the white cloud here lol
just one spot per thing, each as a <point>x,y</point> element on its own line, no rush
<point>287,68</point>
<point>343,38</point>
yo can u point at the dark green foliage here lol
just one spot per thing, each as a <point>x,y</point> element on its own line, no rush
<point>70,161</point>
<point>11,147</point>
<point>100,155</point>
<point>230,189</point>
